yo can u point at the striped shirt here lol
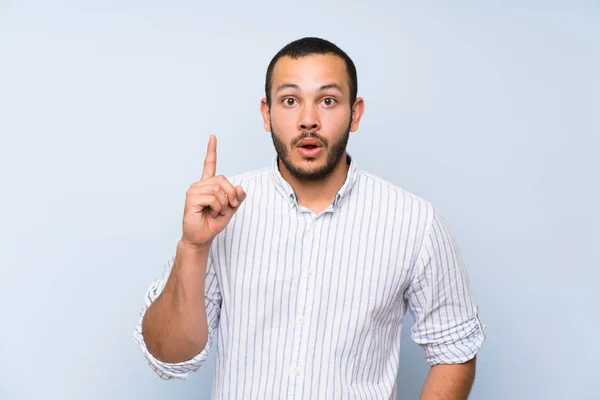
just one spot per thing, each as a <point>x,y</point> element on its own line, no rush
<point>306,306</point>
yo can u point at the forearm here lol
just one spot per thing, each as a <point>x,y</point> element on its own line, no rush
<point>175,326</point>
<point>449,382</point>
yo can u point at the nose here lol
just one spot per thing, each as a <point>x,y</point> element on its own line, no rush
<point>309,119</point>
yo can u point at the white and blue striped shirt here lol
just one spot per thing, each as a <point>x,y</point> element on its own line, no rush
<point>305,306</point>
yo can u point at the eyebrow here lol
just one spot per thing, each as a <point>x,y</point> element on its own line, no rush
<point>324,87</point>
<point>332,86</point>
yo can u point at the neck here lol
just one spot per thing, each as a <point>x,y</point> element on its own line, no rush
<point>317,195</point>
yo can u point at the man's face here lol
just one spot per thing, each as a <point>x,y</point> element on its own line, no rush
<point>310,117</point>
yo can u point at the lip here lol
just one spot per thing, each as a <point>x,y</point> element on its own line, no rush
<point>309,153</point>
<point>310,142</point>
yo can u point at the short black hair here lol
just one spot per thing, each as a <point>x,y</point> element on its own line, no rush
<point>308,46</point>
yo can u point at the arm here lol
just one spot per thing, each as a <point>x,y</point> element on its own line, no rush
<point>449,382</point>
<point>447,324</point>
<point>175,325</point>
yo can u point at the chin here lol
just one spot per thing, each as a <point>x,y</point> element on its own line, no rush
<point>310,163</point>
<point>309,169</point>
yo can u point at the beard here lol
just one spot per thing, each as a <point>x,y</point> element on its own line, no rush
<point>335,152</point>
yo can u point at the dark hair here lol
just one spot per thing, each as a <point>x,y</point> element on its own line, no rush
<point>308,46</point>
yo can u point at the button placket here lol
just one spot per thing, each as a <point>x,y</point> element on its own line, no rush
<point>299,345</point>
<point>305,296</point>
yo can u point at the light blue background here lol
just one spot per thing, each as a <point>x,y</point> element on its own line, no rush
<point>489,110</point>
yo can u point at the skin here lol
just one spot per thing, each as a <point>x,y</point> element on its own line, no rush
<point>449,382</point>
<point>310,98</point>
<point>175,326</point>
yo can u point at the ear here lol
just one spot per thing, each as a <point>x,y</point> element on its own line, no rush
<point>265,111</point>
<point>357,112</point>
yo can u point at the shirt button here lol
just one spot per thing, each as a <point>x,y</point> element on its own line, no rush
<point>301,320</point>
<point>310,272</point>
<point>297,371</point>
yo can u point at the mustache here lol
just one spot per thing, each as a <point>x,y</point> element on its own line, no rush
<point>310,135</point>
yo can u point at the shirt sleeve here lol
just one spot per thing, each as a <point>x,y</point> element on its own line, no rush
<point>183,369</point>
<point>446,317</point>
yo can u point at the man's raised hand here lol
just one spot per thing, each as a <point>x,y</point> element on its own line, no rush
<point>210,202</point>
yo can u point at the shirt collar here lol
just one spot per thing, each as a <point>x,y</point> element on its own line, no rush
<point>286,189</point>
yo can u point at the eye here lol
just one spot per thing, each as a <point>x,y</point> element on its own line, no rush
<point>288,101</point>
<point>329,101</point>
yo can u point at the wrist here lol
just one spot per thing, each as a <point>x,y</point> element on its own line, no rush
<point>192,248</point>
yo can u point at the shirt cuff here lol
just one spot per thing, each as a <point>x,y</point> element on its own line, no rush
<point>458,346</point>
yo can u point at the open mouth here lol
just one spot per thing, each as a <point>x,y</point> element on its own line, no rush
<point>310,148</point>
<point>310,144</point>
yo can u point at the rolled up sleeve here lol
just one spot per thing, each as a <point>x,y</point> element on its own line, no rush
<point>447,323</point>
<point>183,369</point>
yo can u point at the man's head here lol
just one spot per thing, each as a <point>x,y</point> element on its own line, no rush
<point>311,106</point>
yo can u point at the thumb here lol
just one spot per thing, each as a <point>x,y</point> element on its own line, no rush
<point>241,194</point>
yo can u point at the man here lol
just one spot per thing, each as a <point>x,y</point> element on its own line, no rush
<point>301,273</point>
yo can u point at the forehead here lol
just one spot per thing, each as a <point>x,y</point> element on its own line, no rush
<point>310,71</point>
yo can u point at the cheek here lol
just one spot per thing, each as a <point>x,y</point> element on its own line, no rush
<point>336,120</point>
<point>283,121</point>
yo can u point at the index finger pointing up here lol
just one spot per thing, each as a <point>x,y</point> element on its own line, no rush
<point>210,162</point>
